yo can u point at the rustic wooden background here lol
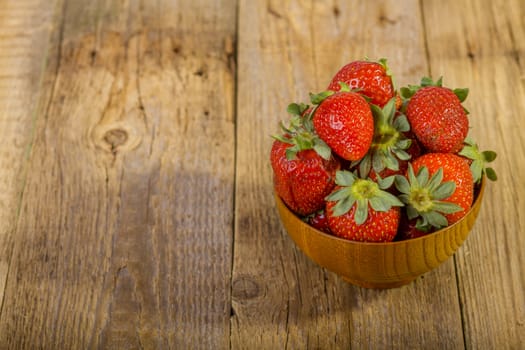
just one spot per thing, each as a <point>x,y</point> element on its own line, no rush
<point>136,205</point>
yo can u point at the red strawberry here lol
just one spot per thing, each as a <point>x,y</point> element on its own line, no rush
<point>302,182</point>
<point>408,229</point>
<point>372,79</point>
<point>319,220</point>
<point>454,169</point>
<point>303,166</point>
<point>361,210</point>
<point>344,121</point>
<point>439,189</point>
<point>438,119</point>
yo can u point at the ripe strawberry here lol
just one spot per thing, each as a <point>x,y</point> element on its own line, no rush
<point>305,181</point>
<point>304,168</point>
<point>408,228</point>
<point>372,79</point>
<point>319,220</point>
<point>439,189</point>
<point>437,118</point>
<point>344,121</point>
<point>361,210</point>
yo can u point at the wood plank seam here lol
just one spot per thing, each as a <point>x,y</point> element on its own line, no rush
<point>425,40</point>
<point>232,51</point>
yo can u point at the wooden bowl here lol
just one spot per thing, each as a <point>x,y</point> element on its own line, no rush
<point>379,265</point>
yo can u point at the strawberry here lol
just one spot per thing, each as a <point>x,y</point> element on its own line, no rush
<point>318,220</point>
<point>303,166</point>
<point>344,121</point>
<point>438,190</point>
<point>302,182</point>
<point>408,228</point>
<point>437,117</point>
<point>372,79</point>
<point>360,209</point>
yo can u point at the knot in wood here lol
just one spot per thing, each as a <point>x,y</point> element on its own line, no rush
<point>245,288</point>
<point>116,137</point>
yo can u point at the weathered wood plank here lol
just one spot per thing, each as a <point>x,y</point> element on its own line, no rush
<point>125,230</point>
<point>281,299</point>
<point>24,38</point>
<point>485,51</point>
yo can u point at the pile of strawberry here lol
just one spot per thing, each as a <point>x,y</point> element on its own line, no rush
<point>368,163</point>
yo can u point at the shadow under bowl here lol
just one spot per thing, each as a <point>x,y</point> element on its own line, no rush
<point>379,265</point>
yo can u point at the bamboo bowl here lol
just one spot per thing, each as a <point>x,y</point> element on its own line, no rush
<point>379,265</point>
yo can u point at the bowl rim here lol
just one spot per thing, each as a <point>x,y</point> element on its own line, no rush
<point>478,192</point>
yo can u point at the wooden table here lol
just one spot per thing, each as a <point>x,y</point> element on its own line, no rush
<point>136,201</point>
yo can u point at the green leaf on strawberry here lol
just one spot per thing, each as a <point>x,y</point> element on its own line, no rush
<point>389,144</point>
<point>427,81</point>
<point>301,134</point>
<point>344,87</point>
<point>322,148</point>
<point>408,91</point>
<point>362,193</point>
<point>461,93</point>
<point>320,97</point>
<point>297,108</point>
<point>479,160</point>
<point>423,196</point>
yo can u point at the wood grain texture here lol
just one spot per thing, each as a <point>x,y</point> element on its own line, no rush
<point>24,38</point>
<point>125,231</point>
<point>485,51</point>
<point>288,49</point>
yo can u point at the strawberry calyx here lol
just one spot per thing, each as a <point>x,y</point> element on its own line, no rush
<point>362,193</point>
<point>384,64</point>
<point>389,144</point>
<point>300,133</point>
<point>479,160</point>
<point>316,99</point>
<point>424,197</point>
<point>408,91</point>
